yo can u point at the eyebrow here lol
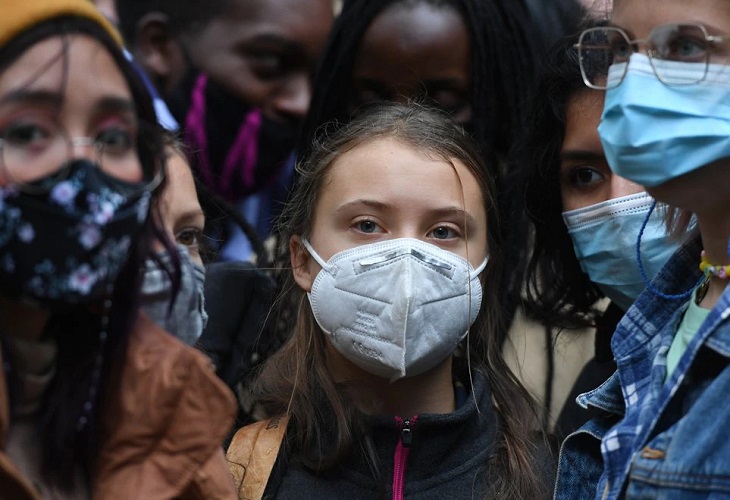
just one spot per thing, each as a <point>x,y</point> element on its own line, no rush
<point>280,42</point>
<point>24,96</point>
<point>188,218</point>
<point>116,105</point>
<point>377,205</point>
<point>192,215</point>
<point>581,155</point>
<point>455,212</point>
<point>109,104</point>
<point>632,37</point>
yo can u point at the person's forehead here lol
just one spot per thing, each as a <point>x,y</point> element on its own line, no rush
<point>282,12</point>
<point>391,156</point>
<point>44,66</point>
<point>304,23</point>
<point>398,45</point>
<point>640,16</point>
<point>179,195</point>
<point>415,24</point>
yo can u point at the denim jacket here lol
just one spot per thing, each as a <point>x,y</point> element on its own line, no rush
<point>651,438</point>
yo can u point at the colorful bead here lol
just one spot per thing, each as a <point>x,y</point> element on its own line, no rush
<point>722,272</point>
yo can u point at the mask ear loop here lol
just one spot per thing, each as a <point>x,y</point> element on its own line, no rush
<point>649,286</point>
<point>314,254</point>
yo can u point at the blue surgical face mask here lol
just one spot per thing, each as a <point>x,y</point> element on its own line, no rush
<point>653,133</point>
<point>604,238</point>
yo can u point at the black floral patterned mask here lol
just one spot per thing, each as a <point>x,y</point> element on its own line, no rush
<point>67,244</point>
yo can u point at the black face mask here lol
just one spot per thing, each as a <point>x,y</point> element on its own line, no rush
<point>68,244</point>
<point>237,150</point>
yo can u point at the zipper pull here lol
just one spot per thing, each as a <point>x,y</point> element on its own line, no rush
<point>405,433</point>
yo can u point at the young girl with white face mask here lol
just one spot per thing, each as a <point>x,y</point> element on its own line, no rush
<point>664,126</point>
<point>392,238</point>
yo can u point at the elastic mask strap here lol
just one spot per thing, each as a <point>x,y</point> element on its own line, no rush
<point>481,267</point>
<point>314,254</point>
<point>649,286</point>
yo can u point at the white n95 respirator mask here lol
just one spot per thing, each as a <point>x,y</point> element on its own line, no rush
<point>396,308</point>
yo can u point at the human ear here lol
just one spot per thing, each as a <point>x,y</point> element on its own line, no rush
<point>301,263</point>
<point>158,52</point>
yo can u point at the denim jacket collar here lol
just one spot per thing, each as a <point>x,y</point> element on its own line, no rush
<point>640,396</point>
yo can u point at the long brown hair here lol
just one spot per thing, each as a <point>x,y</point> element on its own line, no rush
<point>324,424</point>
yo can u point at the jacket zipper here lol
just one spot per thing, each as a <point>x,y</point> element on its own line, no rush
<point>402,449</point>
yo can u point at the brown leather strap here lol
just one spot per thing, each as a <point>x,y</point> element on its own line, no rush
<point>252,454</point>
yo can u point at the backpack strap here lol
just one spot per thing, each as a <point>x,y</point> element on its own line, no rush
<point>252,454</point>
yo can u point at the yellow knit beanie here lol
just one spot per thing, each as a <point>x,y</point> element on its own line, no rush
<point>16,16</point>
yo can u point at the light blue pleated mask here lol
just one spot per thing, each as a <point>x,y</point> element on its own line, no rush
<point>653,133</point>
<point>604,238</point>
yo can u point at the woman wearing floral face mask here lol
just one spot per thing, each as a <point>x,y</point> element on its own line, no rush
<point>90,389</point>
<point>665,126</point>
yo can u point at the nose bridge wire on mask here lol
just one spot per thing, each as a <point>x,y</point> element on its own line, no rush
<point>648,283</point>
<point>604,242</point>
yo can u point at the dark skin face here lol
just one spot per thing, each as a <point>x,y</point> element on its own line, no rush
<point>264,52</point>
<point>409,51</point>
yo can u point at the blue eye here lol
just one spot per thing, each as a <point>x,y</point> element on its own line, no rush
<point>443,233</point>
<point>367,226</point>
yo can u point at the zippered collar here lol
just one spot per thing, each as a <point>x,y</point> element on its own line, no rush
<point>402,450</point>
<point>441,444</point>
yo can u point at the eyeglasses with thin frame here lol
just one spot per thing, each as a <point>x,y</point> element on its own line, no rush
<point>603,47</point>
<point>34,155</point>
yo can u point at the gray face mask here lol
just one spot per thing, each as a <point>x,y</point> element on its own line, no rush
<point>187,318</point>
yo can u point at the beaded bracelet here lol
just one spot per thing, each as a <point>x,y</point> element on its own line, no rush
<point>722,272</point>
